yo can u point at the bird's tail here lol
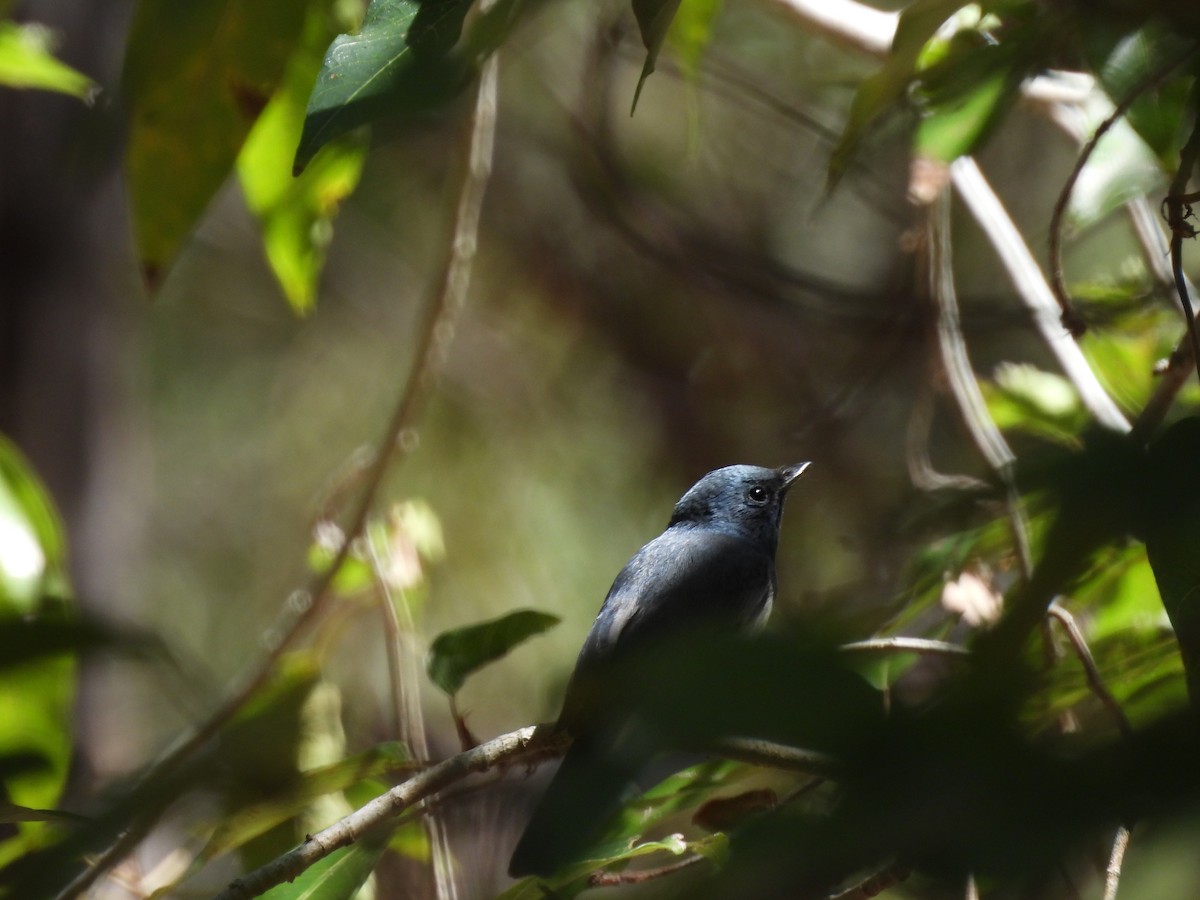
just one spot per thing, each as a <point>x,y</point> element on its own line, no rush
<point>585,792</point>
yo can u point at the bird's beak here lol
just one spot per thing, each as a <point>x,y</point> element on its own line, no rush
<point>791,473</point>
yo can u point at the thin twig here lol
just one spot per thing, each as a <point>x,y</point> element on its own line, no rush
<point>862,28</point>
<point>922,646</point>
<point>1070,316</point>
<point>1112,875</point>
<point>921,471</point>
<point>964,386</point>
<point>1170,383</point>
<point>1178,212</point>
<point>446,299</point>
<point>616,879</point>
<point>1095,682</point>
<point>404,677</point>
<point>525,744</point>
<point>874,885</point>
<point>1032,288</point>
<point>1156,251</point>
<point>769,754</point>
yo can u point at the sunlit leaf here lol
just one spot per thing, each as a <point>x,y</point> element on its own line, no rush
<point>398,64</point>
<point>336,877</point>
<point>691,33</point>
<point>456,654</point>
<point>27,61</point>
<point>296,214</point>
<point>38,643</point>
<point>1034,401</point>
<point>197,75</point>
<point>31,537</point>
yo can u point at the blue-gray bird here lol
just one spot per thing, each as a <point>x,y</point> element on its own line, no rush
<point>714,566</point>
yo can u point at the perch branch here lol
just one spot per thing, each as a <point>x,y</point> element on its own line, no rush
<point>525,744</point>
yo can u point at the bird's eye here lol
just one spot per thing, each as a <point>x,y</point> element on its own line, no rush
<point>757,494</point>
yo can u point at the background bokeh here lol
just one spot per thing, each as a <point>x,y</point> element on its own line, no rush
<point>655,295</point>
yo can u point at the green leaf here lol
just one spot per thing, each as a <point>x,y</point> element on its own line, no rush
<point>654,21</point>
<point>296,214</point>
<point>882,90</point>
<point>399,64</point>
<point>37,640</point>
<point>27,61</point>
<point>456,654</point>
<point>336,877</point>
<point>1028,399</point>
<point>197,75</point>
<point>958,126</point>
<point>574,879</point>
<point>691,33</point>
<point>1158,113</point>
<point>32,549</point>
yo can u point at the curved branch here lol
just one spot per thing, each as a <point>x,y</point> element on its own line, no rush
<point>304,607</point>
<point>1070,316</point>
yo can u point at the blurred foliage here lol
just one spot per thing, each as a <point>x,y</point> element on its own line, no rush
<point>38,645</point>
<point>662,287</point>
<point>27,61</point>
<point>454,655</point>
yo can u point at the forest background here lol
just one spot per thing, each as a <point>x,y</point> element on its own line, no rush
<point>482,290</point>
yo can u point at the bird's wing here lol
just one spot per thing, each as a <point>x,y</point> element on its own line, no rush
<point>679,580</point>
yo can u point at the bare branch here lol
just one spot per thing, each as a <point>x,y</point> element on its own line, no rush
<point>1112,876</point>
<point>615,879</point>
<point>526,744</point>
<point>921,646</point>
<point>769,754</point>
<point>1032,288</point>
<point>304,607</point>
<point>961,375</point>
<point>1070,316</point>
<point>1095,682</point>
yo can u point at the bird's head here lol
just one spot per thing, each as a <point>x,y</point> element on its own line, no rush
<point>744,500</point>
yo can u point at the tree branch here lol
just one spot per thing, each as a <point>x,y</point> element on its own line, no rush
<point>523,745</point>
<point>1095,682</point>
<point>1070,316</point>
<point>1112,875</point>
<point>1032,288</point>
<point>304,607</point>
<point>922,646</point>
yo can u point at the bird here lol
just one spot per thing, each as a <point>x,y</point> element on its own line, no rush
<point>713,567</point>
